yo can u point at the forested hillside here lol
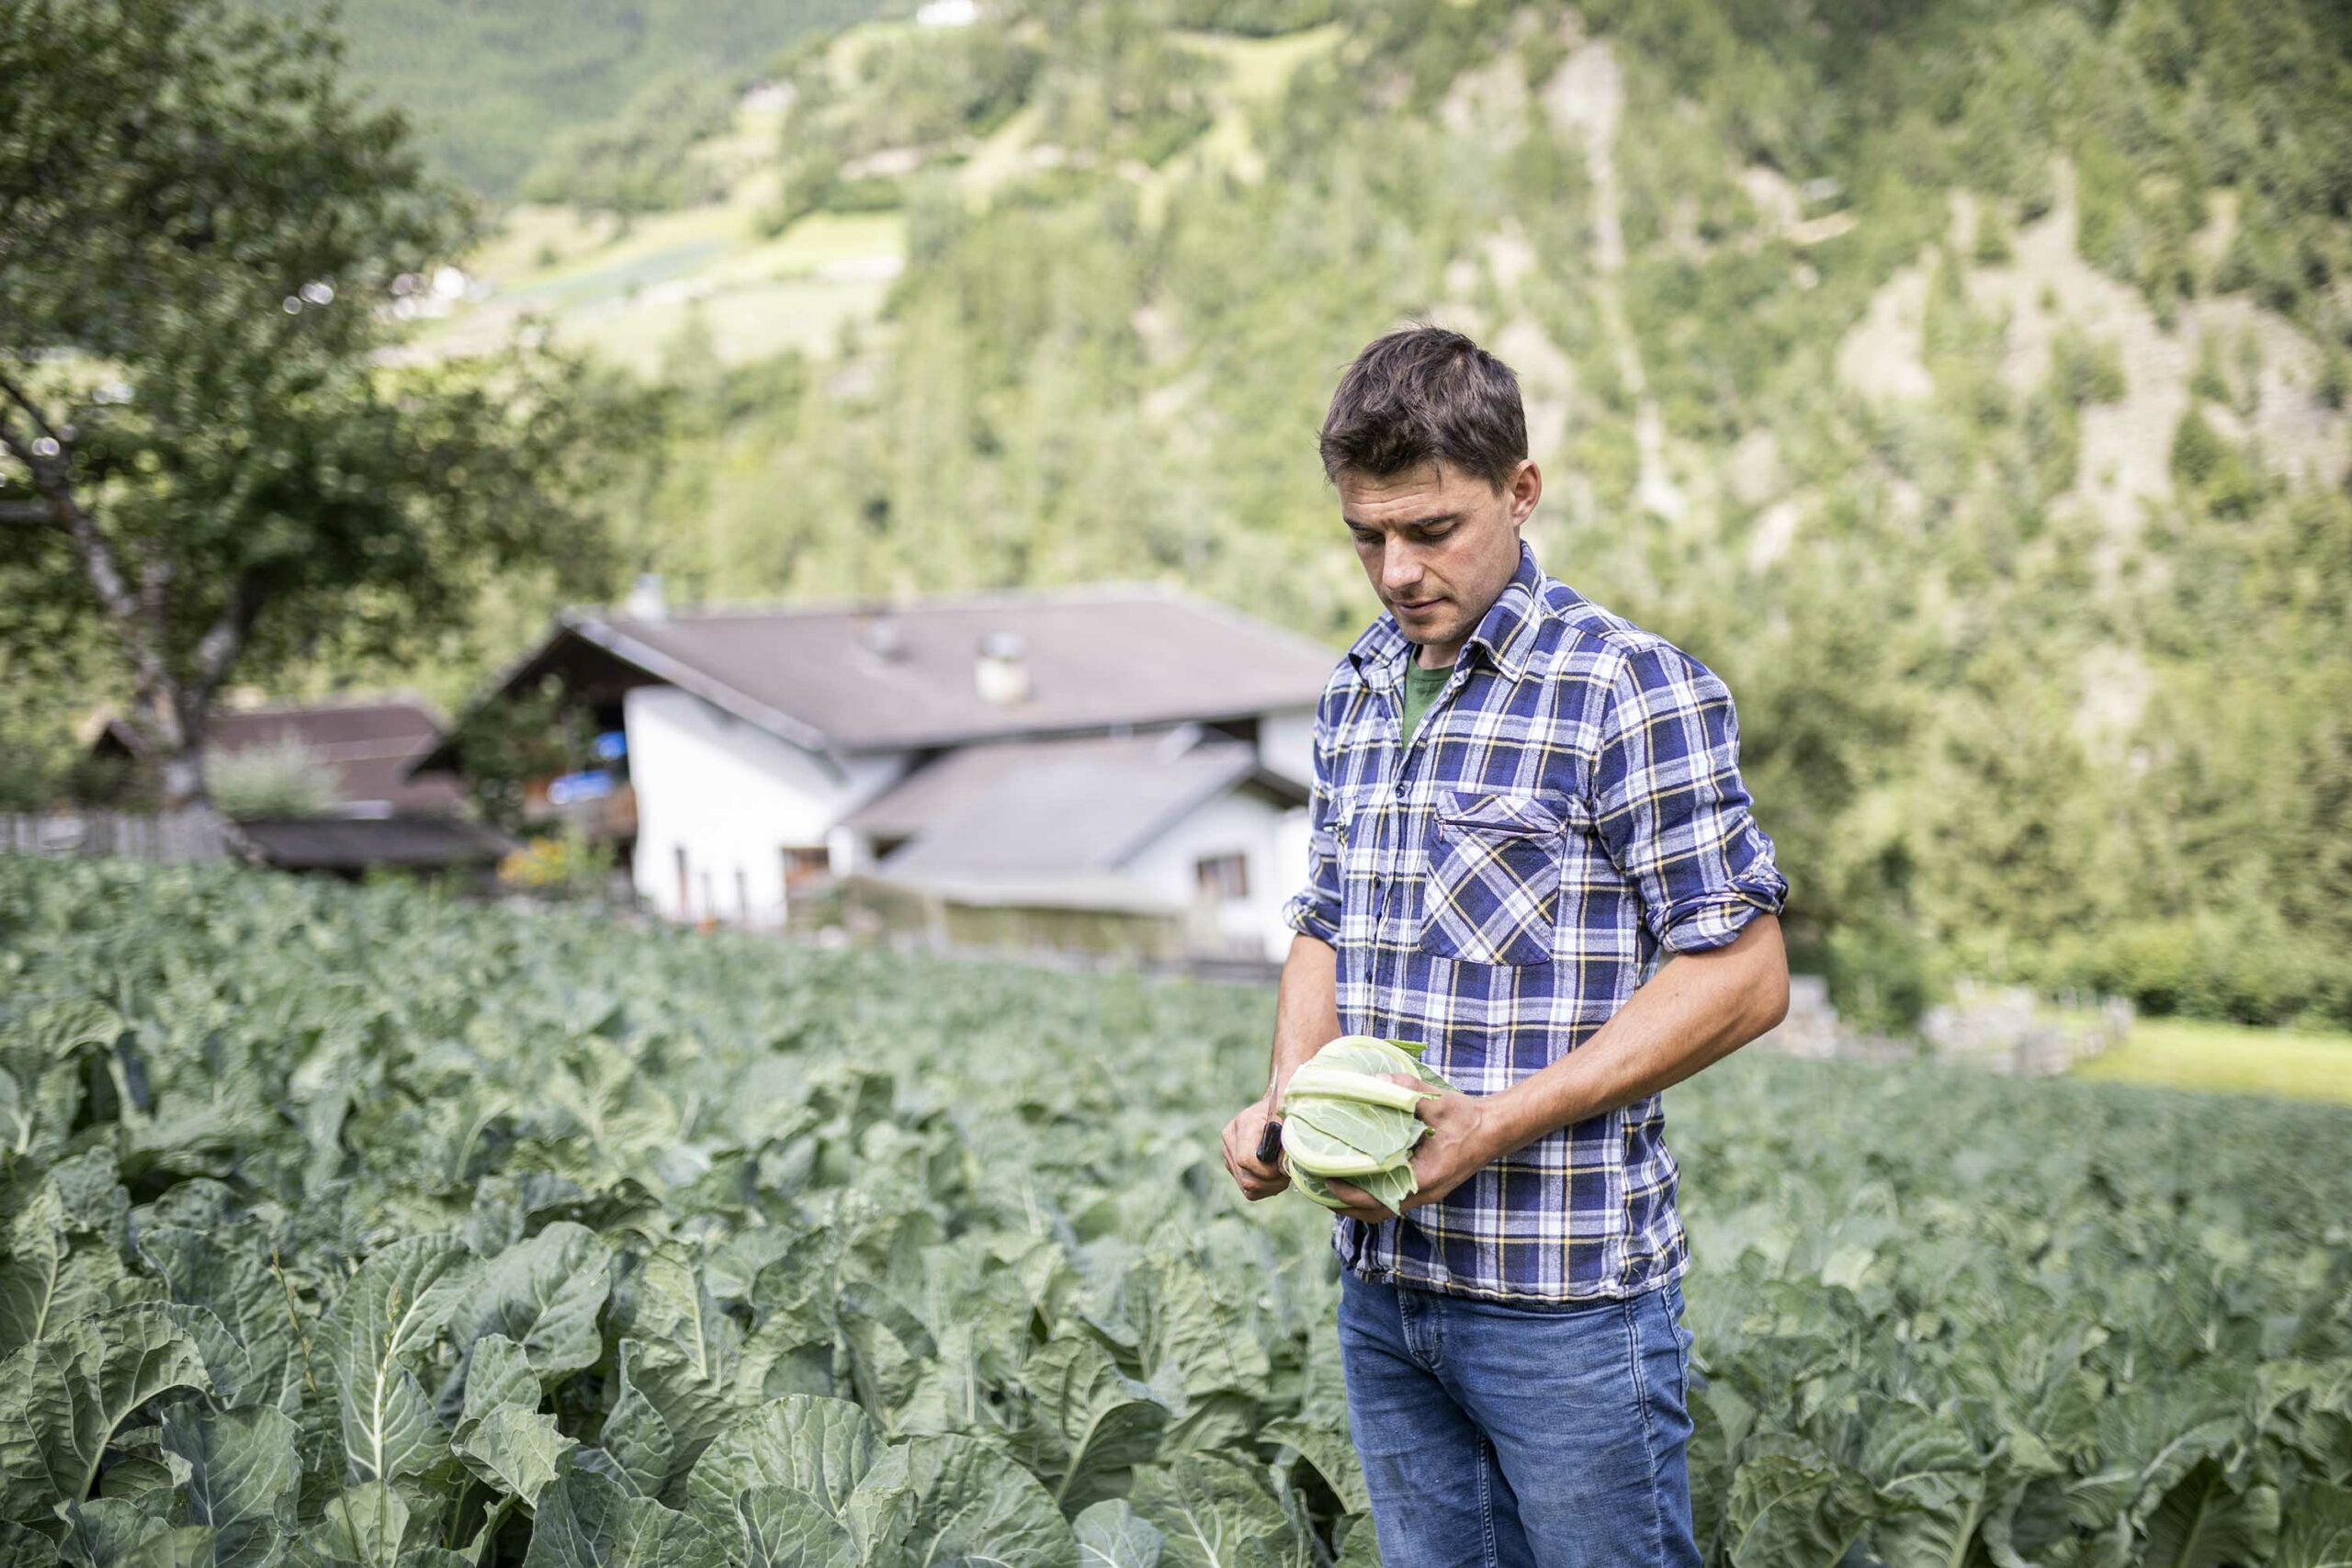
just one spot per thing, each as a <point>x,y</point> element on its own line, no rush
<point>1965,383</point>
<point>492,89</point>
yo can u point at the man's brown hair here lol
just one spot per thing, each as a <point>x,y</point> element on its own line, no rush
<point>1423,394</point>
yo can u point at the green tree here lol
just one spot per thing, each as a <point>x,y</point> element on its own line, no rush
<point>503,746</point>
<point>203,240</point>
<point>643,158</point>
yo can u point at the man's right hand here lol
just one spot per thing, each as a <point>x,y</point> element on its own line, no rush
<point>1255,1178</point>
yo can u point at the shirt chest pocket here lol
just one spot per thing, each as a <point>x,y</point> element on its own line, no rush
<point>1497,864</point>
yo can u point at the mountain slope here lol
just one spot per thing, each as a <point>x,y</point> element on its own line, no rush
<point>1965,383</point>
<point>492,88</point>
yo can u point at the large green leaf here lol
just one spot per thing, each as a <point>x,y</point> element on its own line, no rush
<point>2318,1529</point>
<point>543,1293</point>
<point>2026,1520</point>
<point>1189,1343</point>
<point>636,1435</point>
<point>694,1408</point>
<point>226,1366</point>
<point>587,1520</point>
<point>1209,1507</point>
<point>393,1307</point>
<point>1096,1424</point>
<point>1111,1534</point>
<point>1932,1483</point>
<point>1792,1507</point>
<point>889,1347</point>
<point>61,1398</point>
<point>91,1198</point>
<point>501,1436</point>
<point>512,1448</point>
<point>785,1354</point>
<point>229,1273</point>
<point>2148,1441</point>
<point>1331,1454</point>
<point>242,1477</point>
<point>37,1110</point>
<point>45,1279</point>
<point>2208,1522</point>
<point>954,1500</point>
<point>497,1372</point>
<point>820,1447</point>
<point>2319,1421</point>
<point>671,1303</point>
<point>786,1527</point>
<point>21,1548</point>
<point>109,1533</point>
<point>363,1525</point>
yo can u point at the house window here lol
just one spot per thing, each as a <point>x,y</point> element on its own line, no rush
<point>1225,876</point>
<point>686,896</point>
<point>802,862</point>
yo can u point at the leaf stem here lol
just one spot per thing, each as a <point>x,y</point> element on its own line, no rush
<point>301,1340</point>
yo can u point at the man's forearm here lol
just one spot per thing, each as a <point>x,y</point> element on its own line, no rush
<point>1698,1007</point>
<point>1306,1014</point>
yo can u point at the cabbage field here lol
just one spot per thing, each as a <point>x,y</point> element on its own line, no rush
<point>359,1226</point>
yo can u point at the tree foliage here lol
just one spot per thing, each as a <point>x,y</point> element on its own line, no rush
<point>642,158</point>
<point>200,231</point>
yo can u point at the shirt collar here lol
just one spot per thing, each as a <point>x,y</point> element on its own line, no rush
<point>1505,632</point>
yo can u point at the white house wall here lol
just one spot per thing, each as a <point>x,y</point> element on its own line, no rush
<point>1286,744</point>
<point>1234,822</point>
<point>733,797</point>
<point>1294,851</point>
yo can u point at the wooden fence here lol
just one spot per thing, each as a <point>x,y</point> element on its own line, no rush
<point>152,835</point>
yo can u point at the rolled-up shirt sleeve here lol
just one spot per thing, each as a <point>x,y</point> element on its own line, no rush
<point>1313,909</point>
<point>1672,808</point>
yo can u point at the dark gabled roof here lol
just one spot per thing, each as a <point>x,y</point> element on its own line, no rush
<point>349,844</point>
<point>866,677</point>
<point>372,744</point>
<point>1044,810</point>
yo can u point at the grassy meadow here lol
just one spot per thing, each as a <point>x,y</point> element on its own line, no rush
<point>2224,1058</point>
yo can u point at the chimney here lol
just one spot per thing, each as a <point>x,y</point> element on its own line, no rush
<point>645,599</point>
<point>1002,672</point>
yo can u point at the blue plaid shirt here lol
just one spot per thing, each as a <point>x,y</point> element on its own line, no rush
<point>1569,809</point>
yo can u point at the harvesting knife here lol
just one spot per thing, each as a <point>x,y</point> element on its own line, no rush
<point>1270,1143</point>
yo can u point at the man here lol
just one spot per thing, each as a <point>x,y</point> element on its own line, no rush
<point>1532,852</point>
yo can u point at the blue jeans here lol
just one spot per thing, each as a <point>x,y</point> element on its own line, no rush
<point>1520,1436</point>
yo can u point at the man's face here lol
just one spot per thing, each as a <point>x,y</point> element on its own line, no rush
<point>1439,545</point>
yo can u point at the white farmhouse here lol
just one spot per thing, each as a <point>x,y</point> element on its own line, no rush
<point>1128,751</point>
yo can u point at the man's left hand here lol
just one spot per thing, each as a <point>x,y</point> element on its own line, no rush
<point>1458,1145</point>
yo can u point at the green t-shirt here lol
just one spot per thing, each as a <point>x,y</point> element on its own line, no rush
<point>1421,687</point>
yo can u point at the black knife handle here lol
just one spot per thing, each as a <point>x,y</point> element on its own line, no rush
<point>1270,1143</point>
